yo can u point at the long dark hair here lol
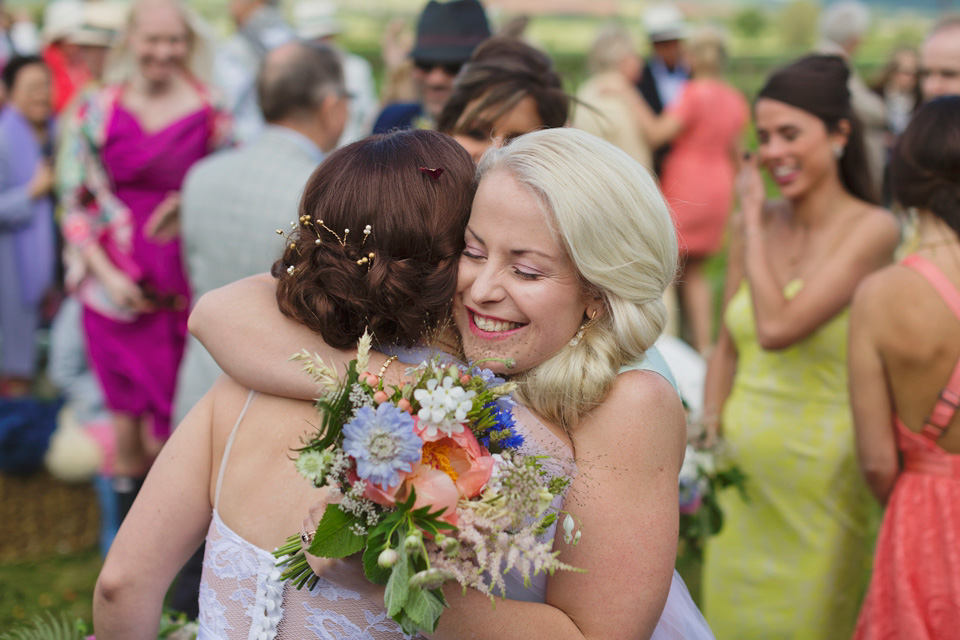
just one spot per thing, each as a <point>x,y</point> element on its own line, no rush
<point>925,169</point>
<point>818,85</point>
<point>503,71</point>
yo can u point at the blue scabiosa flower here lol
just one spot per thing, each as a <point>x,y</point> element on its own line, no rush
<point>383,443</point>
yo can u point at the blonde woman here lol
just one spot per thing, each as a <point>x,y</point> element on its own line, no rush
<point>704,126</point>
<point>125,156</point>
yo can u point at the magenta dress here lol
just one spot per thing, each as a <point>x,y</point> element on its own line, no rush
<point>136,361</point>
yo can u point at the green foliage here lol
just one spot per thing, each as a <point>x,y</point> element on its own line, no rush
<point>334,537</point>
<point>707,521</point>
<point>332,409</point>
<point>422,610</point>
<point>750,22</point>
<point>48,627</point>
<point>398,588</point>
<point>798,24</point>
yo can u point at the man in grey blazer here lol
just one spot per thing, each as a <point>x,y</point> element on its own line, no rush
<point>234,201</point>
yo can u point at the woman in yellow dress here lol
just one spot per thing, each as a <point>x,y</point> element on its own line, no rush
<point>792,561</point>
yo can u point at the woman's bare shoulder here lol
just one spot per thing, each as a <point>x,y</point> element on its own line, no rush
<point>641,413</point>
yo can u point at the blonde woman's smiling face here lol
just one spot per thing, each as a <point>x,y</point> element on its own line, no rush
<point>518,294</point>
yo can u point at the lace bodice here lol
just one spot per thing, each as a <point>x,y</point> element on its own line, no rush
<point>243,598</point>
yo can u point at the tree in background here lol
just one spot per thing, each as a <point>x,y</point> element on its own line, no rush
<point>798,23</point>
<point>750,23</point>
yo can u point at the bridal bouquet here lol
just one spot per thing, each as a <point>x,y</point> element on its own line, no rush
<point>433,488</point>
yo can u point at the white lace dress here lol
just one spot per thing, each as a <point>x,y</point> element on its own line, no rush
<point>243,598</point>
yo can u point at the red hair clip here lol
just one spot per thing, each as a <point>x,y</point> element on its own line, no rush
<point>433,173</point>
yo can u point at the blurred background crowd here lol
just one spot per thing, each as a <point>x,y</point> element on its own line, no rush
<point>149,151</point>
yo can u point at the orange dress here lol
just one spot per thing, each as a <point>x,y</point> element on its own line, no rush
<point>698,174</point>
<point>915,590</point>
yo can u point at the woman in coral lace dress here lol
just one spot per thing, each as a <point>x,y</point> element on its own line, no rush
<point>704,127</point>
<point>905,388</point>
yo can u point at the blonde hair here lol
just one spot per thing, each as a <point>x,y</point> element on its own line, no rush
<point>611,45</point>
<point>706,51</point>
<point>608,215</point>
<point>120,62</point>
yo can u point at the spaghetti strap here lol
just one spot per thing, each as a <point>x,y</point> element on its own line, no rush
<point>947,290</point>
<point>226,449</point>
<point>949,399</point>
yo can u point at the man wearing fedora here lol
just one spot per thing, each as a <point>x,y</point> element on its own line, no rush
<point>447,33</point>
<point>664,73</point>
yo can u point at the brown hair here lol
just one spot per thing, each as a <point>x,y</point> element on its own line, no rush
<point>502,72</point>
<point>417,225</point>
<point>817,84</point>
<point>925,169</point>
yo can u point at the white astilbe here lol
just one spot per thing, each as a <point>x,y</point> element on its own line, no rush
<point>314,366</point>
<point>363,351</point>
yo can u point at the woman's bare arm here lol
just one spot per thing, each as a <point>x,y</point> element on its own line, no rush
<point>869,394</point>
<point>722,364</point>
<point>629,452</point>
<point>782,322</point>
<point>165,526</point>
<point>245,332</point>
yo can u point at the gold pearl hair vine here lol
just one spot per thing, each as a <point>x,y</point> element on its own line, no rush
<point>307,220</point>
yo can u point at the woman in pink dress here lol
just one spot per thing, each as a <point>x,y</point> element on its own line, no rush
<point>704,126</point>
<point>130,147</point>
<point>905,365</point>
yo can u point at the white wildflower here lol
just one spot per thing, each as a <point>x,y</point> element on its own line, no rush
<point>568,525</point>
<point>315,465</point>
<point>443,406</point>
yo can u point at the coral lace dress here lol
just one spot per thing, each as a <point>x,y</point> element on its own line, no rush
<point>915,590</point>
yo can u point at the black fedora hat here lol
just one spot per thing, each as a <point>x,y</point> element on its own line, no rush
<point>449,32</point>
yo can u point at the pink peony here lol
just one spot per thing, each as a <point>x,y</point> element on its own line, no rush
<point>450,468</point>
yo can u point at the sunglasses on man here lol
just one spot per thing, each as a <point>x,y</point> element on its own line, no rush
<point>449,68</point>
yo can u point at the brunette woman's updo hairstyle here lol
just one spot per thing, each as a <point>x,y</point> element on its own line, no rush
<point>417,217</point>
<point>817,84</point>
<point>608,215</point>
<point>502,72</point>
<point>925,169</point>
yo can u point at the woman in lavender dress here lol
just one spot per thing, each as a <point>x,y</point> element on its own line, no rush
<point>27,243</point>
<point>130,147</point>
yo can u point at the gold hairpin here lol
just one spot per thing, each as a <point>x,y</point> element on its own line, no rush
<point>288,238</point>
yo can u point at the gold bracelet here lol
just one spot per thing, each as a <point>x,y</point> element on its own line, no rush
<point>386,364</point>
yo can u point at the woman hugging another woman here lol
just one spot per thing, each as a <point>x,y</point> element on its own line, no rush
<point>565,257</point>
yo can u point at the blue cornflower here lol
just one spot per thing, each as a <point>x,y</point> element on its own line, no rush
<point>383,443</point>
<point>503,421</point>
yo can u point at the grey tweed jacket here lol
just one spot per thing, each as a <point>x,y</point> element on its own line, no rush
<point>232,203</point>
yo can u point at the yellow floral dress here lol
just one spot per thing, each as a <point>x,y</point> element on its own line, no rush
<point>793,561</point>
